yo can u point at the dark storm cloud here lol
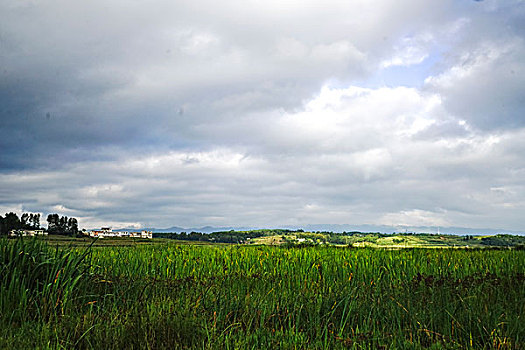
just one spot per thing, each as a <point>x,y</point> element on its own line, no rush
<point>87,76</point>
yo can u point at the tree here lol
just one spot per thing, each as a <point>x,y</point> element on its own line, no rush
<point>11,222</point>
<point>30,221</point>
<point>72,226</point>
<point>53,223</point>
<point>61,225</point>
<point>36,221</point>
<point>24,221</point>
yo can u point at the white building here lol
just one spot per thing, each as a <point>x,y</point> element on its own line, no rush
<point>146,234</point>
<point>108,232</point>
<point>30,233</point>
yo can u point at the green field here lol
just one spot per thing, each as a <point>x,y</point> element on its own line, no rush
<point>144,295</point>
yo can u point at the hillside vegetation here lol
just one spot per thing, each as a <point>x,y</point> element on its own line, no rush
<point>355,239</point>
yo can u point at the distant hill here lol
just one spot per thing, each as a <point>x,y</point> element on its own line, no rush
<point>340,228</point>
<point>415,229</point>
<point>204,229</point>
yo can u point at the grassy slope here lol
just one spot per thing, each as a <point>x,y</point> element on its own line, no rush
<point>393,241</point>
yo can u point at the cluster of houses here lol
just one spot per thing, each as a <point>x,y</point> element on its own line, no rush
<point>103,232</point>
<point>108,232</point>
<point>28,233</point>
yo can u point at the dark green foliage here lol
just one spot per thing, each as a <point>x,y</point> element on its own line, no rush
<point>61,225</point>
<point>53,223</point>
<point>30,221</point>
<point>11,221</point>
<point>232,236</point>
<point>503,240</point>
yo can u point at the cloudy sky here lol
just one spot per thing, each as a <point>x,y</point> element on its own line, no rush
<point>264,113</point>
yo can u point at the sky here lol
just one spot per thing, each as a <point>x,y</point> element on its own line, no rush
<point>264,113</point>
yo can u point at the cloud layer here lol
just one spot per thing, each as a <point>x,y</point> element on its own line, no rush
<point>262,114</point>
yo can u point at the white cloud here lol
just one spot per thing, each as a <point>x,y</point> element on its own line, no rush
<point>483,86</point>
<point>415,217</point>
<point>410,51</point>
<point>350,155</point>
<point>199,43</point>
<point>14,208</point>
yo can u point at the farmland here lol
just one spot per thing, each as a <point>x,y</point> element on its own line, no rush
<point>172,295</point>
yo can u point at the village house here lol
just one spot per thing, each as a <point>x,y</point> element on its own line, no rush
<point>108,232</point>
<point>27,233</point>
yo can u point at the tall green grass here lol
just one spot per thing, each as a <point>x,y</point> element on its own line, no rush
<point>38,284</point>
<point>242,297</point>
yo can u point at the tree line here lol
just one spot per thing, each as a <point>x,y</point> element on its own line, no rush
<point>61,225</point>
<point>29,221</point>
<point>11,221</point>
<point>231,236</point>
